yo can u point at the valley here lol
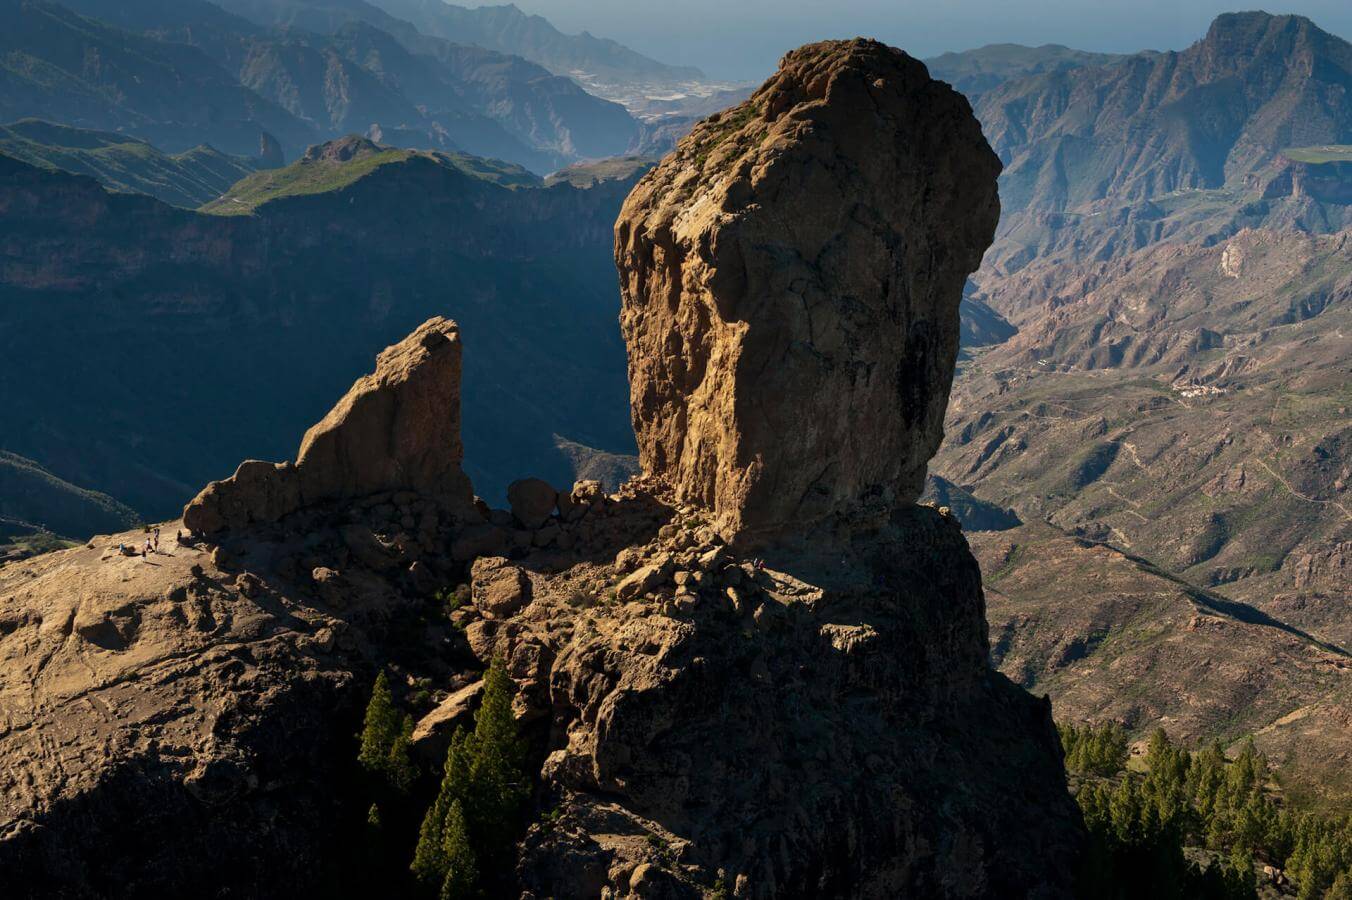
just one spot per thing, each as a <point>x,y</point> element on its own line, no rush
<point>1169,423</point>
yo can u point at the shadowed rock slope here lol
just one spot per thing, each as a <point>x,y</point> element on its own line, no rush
<point>821,722</point>
<point>122,163</point>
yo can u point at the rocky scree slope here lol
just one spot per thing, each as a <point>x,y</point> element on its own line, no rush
<point>825,724</point>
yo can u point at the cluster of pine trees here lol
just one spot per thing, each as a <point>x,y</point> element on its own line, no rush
<point>1140,822</point>
<point>1094,751</point>
<point>467,833</point>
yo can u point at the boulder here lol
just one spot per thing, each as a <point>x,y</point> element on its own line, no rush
<point>790,279</point>
<point>499,588</point>
<point>639,582</point>
<point>397,429</point>
<point>366,548</point>
<point>436,727</point>
<point>479,540</point>
<point>532,501</point>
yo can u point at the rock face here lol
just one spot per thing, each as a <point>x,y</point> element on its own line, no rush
<point>823,722</point>
<point>825,726</point>
<point>396,429</point>
<point>791,276</point>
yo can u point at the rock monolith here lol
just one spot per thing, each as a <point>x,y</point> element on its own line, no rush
<point>791,276</point>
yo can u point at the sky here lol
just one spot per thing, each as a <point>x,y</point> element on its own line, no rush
<point>743,39</point>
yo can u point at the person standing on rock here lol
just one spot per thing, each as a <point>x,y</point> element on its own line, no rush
<point>157,539</point>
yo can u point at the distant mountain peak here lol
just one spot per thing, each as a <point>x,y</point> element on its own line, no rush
<point>344,149</point>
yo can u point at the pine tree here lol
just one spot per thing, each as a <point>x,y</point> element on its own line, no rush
<point>462,873</point>
<point>484,777</point>
<point>400,770</point>
<point>1341,889</point>
<point>380,729</point>
<point>429,856</point>
<point>498,769</point>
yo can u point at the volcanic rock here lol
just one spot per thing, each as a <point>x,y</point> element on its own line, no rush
<point>396,429</point>
<point>821,720</point>
<point>790,278</point>
<point>532,501</point>
<point>830,727</point>
<point>499,587</point>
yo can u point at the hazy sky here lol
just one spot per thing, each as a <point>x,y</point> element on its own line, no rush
<point>744,38</point>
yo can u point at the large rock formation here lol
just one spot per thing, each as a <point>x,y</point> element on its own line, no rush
<point>397,429</point>
<point>791,276</point>
<point>821,721</point>
<point>824,726</point>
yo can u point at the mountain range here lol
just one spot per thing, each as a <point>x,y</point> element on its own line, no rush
<point>126,164</point>
<point>974,72</point>
<point>243,76</point>
<point>506,29</point>
<point>1104,159</point>
<point>1168,416</point>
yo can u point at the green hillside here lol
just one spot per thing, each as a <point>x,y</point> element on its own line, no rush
<point>337,165</point>
<point>124,163</point>
<point>1317,155</point>
<point>33,500</point>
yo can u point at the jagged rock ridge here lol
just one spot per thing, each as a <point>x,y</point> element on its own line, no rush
<point>395,430</point>
<point>791,278</point>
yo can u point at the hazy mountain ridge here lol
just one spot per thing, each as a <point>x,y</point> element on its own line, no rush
<point>1199,118</point>
<point>330,68</point>
<point>550,112</point>
<point>61,66</point>
<point>1103,160</point>
<point>974,72</point>
<point>507,29</point>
